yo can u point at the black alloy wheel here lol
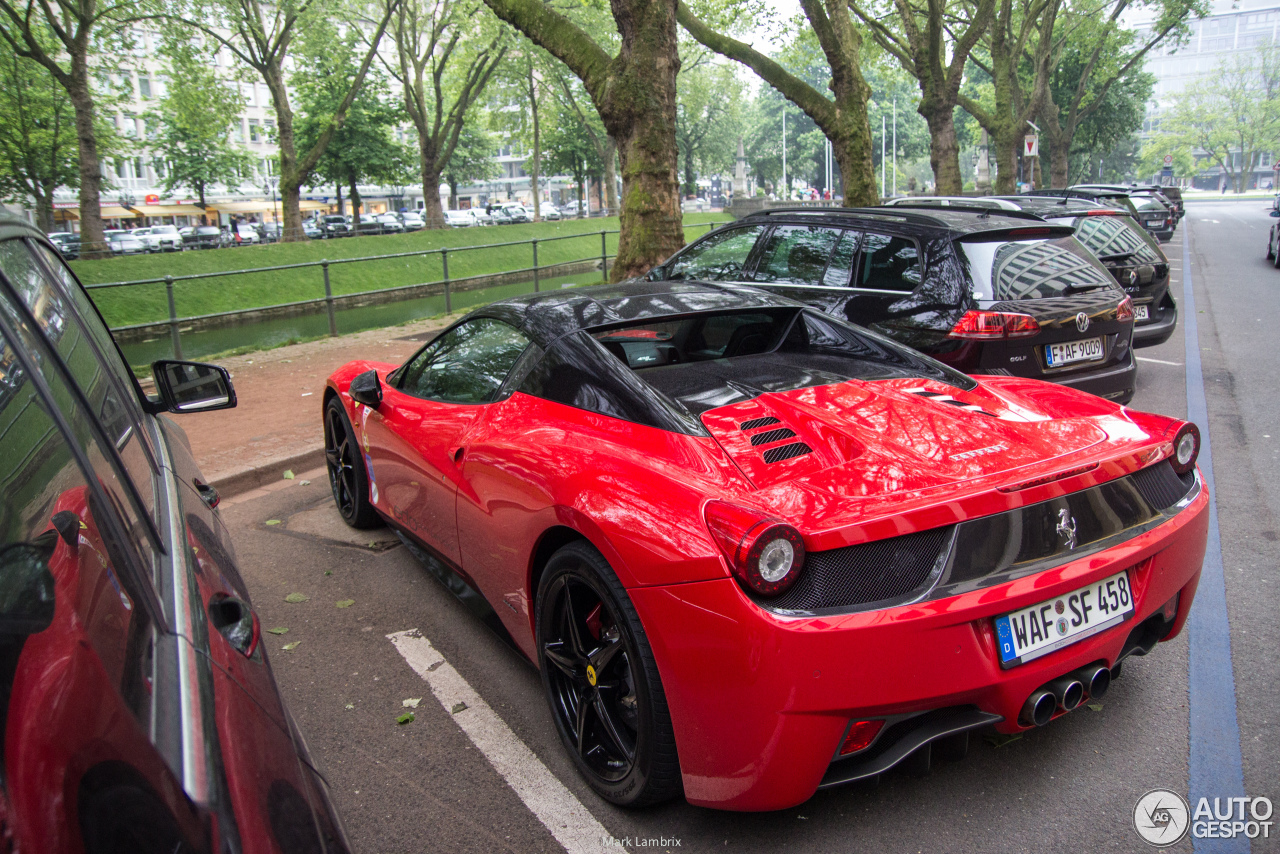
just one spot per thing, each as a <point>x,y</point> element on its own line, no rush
<point>602,682</point>
<point>347,475</point>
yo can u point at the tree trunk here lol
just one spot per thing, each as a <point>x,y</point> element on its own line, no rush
<point>432,212</point>
<point>453,195</point>
<point>92,243</point>
<point>355,204</point>
<point>337,189</point>
<point>690,180</point>
<point>944,150</point>
<point>611,176</point>
<point>44,207</point>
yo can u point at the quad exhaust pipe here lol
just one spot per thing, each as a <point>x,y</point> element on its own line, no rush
<point>1065,693</point>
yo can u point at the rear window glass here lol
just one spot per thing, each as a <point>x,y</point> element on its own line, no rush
<point>1116,238</point>
<point>1030,269</point>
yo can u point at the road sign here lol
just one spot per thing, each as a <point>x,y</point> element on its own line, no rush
<point>1168,160</point>
<point>1031,146</point>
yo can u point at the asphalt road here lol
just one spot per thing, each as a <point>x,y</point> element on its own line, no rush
<point>424,786</point>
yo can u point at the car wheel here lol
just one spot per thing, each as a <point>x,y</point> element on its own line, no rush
<point>347,475</point>
<point>602,682</point>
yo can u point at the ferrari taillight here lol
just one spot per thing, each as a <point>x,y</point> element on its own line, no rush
<point>1186,446</point>
<point>986,325</point>
<point>766,554</point>
<point>1125,310</point>
<point>860,736</point>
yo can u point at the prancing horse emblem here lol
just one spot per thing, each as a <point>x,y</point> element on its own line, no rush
<point>1067,529</point>
<point>1082,322</point>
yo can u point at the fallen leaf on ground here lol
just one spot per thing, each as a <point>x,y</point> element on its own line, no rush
<point>288,474</point>
<point>406,718</point>
<point>1095,707</point>
<point>290,647</point>
<point>458,707</point>
<point>279,630</point>
<point>349,706</point>
<point>328,572</point>
<point>273,522</point>
<point>295,598</point>
<point>345,603</point>
<point>1000,739</point>
<point>411,703</point>
<point>305,482</point>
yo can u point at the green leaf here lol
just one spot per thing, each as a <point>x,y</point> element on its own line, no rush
<point>406,718</point>
<point>295,598</point>
<point>458,707</point>
<point>411,703</point>
<point>345,603</point>
<point>288,474</point>
<point>1095,707</point>
<point>328,572</point>
<point>279,630</point>
<point>273,522</point>
<point>290,647</point>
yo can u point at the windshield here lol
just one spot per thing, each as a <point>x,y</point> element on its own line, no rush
<point>1030,269</point>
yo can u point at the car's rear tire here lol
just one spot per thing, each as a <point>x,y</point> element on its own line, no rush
<point>602,682</point>
<point>348,477</point>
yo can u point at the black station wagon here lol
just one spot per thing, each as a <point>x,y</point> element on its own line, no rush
<point>985,291</point>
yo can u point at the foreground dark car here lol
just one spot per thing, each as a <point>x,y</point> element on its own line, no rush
<point>1132,256</point>
<point>986,292</point>
<point>140,713</point>
<point>755,550</point>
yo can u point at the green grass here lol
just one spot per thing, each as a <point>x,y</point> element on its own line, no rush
<point>123,306</point>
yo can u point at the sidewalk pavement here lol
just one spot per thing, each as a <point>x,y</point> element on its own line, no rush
<point>277,425</point>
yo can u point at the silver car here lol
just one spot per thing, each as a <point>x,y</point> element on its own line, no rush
<point>124,243</point>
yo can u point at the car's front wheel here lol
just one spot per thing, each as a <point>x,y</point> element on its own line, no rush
<point>602,681</point>
<point>348,477</point>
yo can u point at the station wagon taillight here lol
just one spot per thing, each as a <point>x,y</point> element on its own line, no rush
<point>988,325</point>
<point>1124,311</point>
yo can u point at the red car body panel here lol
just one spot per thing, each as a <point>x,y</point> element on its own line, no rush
<point>759,700</point>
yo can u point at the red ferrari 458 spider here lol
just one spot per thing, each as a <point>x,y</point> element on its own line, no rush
<point>755,550</point>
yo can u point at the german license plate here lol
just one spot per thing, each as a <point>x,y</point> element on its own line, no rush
<point>1141,313</point>
<point>1088,350</point>
<point>1155,223</point>
<point>1039,630</point>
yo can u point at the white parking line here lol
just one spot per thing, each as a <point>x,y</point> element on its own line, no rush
<point>546,797</point>
<point>1158,361</point>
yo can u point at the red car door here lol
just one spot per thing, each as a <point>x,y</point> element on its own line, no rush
<point>415,441</point>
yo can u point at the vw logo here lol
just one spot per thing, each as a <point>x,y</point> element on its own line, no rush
<point>1082,322</point>
<point>1067,528</point>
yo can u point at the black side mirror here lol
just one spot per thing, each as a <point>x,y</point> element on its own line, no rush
<point>192,386</point>
<point>366,388</point>
<point>26,590</point>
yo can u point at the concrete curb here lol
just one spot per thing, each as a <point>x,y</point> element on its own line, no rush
<point>247,478</point>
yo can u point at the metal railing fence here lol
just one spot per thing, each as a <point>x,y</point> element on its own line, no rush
<point>449,285</point>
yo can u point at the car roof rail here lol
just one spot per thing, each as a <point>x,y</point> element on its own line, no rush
<point>976,208</point>
<point>874,213</point>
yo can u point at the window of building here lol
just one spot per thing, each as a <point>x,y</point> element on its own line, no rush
<point>270,130</point>
<point>253,130</point>
<point>144,86</point>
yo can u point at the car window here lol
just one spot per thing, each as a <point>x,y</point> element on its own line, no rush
<point>717,258</point>
<point>796,255</point>
<point>840,267</point>
<point>1116,236</point>
<point>73,329</point>
<point>466,364</point>
<point>1031,269</point>
<point>888,263</point>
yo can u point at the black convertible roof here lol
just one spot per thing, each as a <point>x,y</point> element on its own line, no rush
<point>547,316</point>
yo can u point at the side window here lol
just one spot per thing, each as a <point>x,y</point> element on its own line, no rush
<point>840,269</point>
<point>719,258</point>
<point>113,406</point>
<point>466,364</point>
<point>796,255</point>
<point>888,264</point>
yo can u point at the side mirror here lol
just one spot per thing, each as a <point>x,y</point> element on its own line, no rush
<point>26,590</point>
<point>193,386</point>
<point>366,388</point>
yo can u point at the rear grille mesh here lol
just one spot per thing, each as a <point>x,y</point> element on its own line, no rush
<point>772,436</point>
<point>786,452</point>
<point>864,574</point>
<point>757,422</point>
<point>1160,486</point>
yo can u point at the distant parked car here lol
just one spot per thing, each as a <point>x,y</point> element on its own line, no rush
<point>204,237</point>
<point>333,225</point>
<point>68,245</point>
<point>390,223</point>
<point>499,215</point>
<point>459,219</point>
<point>246,233</point>
<point>124,243</point>
<point>517,212</point>
<point>412,221</point>
<point>549,212</point>
<point>311,230</point>
<point>482,216</point>
<point>159,238</point>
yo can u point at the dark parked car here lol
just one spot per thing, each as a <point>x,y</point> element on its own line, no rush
<point>204,237</point>
<point>1150,207</point>
<point>1124,247</point>
<point>68,245</point>
<point>333,225</point>
<point>1002,293</point>
<point>140,713</point>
